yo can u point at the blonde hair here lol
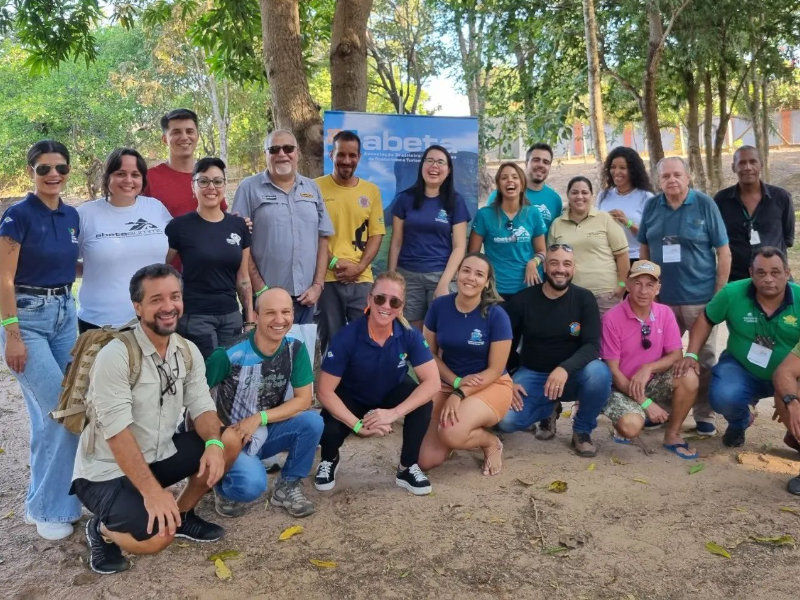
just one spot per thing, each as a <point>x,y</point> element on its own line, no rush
<point>395,277</point>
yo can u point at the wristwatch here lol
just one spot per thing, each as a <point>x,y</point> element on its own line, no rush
<point>788,398</point>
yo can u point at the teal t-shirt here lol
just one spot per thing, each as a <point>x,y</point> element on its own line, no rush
<point>546,200</point>
<point>736,305</point>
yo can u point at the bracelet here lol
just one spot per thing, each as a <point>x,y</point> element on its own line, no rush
<point>537,259</point>
<point>333,262</point>
<point>213,442</point>
<point>459,393</point>
<point>456,383</point>
<point>9,321</point>
<point>647,402</point>
<point>621,283</point>
<point>264,419</point>
<point>249,323</point>
<point>262,290</point>
<point>691,355</point>
<point>629,224</point>
<point>357,427</point>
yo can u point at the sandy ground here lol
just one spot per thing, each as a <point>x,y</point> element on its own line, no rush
<point>629,526</point>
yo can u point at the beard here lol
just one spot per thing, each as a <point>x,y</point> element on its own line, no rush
<point>158,329</point>
<point>557,286</point>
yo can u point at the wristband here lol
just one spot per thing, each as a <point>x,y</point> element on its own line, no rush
<point>647,402</point>
<point>333,262</point>
<point>621,283</point>
<point>262,290</point>
<point>459,393</point>
<point>213,442</point>
<point>357,427</point>
<point>629,224</point>
<point>264,419</point>
<point>456,383</point>
<point>691,355</point>
<point>9,321</point>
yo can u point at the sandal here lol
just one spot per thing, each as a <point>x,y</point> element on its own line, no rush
<point>487,466</point>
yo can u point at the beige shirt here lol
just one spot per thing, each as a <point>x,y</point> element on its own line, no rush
<point>151,417</point>
<point>595,241</point>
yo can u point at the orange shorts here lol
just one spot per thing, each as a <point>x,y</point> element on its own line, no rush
<point>496,396</point>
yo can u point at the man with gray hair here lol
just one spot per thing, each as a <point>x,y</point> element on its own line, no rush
<point>683,232</point>
<point>291,226</point>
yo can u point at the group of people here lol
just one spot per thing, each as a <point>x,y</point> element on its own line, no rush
<point>463,338</point>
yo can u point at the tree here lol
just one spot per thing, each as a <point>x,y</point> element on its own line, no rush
<point>349,55</point>
<point>595,93</point>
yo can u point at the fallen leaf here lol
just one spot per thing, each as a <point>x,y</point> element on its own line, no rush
<point>781,540</point>
<point>618,461</point>
<point>224,555</point>
<point>789,510</point>
<point>181,544</point>
<point>9,514</point>
<point>404,574</point>
<point>715,548</point>
<point>523,482</point>
<point>290,531</point>
<point>566,414</point>
<point>497,520</point>
<point>2,450</point>
<point>555,550</point>
<point>559,487</point>
<point>739,509</point>
<point>439,570</point>
<point>221,570</point>
<point>696,468</point>
<point>640,480</point>
<point>323,564</point>
<point>591,467</point>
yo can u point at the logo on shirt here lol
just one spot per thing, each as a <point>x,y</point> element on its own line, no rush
<point>425,343</point>
<point>476,338</point>
<point>790,320</point>
<point>520,234</point>
<point>73,237</point>
<point>363,202</point>
<point>140,225</point>
<point>442,217</point>
<point>329,354</point>
<point>575,329</point>
<point>750,318</point>
<point>8,220</point>
<point>402,364</point>
<point>234,239</point>
<point>544,211</point>
<point>136,228</point>
<point>306,195</point>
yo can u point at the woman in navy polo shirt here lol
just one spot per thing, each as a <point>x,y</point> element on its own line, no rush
<point>364,386</point>
<point>470,337</point>
<point>429,233</point>
<point>38,253</point>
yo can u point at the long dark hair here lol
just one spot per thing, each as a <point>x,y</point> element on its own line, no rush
<point>636,169</point>
<point>447,191</point>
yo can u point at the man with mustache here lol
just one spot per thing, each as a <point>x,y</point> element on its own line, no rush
<point>560,328</point>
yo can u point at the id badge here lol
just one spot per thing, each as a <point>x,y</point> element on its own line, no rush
<point>759,355</point>
<point>671,249</point>
<point>755,239</point>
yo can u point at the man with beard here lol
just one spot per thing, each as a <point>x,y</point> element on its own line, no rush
<point>356,211</point>
<point>560,328</point>
<point>129,452</point>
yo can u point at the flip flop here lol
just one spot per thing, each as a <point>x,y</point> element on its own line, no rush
<point>674,449</point>
<point>618,439</point>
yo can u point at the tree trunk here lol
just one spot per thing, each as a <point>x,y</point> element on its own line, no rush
<point>292,105</point>
<point>708,122</point>
<point>349,55</point>
<point>595,92</point>
<point>722,127</point>
<point>765,122</point>
<point>693,127</point>
<point>649,101</point>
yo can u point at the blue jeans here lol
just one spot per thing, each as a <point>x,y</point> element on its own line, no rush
<point>247,479</point>
<point>590,386</point>
<point>49,328</point>
<point>733,389</point>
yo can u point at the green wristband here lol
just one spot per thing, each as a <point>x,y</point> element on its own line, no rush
<point>262,290</point>
<point>629,224</point>
<point>621,283</point>
<point>357,427</point>
<point>264,418</point>
<point>456,383</point>
<point>647,402</point>
<point>691,355</point>
<point>333,262</point>
<point>213,442</point>
<point>9,321</point>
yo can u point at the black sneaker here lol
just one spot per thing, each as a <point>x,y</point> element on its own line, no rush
<point>733,438</point>
<point>105,557</point>
<point>414,480</point>
<point>793,487</point>
<point>326,474</point>
<point>547,427</point>
<point>196,529</point>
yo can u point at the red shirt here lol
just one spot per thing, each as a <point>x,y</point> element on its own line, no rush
<point>174,189</point>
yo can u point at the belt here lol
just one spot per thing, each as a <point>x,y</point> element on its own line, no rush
<point>63,290</point>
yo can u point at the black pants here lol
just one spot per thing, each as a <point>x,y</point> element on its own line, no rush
<point>414,428</point>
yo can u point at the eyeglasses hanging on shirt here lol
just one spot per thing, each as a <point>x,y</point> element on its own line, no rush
<point>168,378</point>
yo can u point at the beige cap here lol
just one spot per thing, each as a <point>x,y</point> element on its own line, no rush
<point>644,267</point>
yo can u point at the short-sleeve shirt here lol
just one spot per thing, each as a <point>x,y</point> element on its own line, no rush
<point>465,339</point>
<point>174,189</point>
<point>632,204</point>
<point>211,254</point>
<point>244,381</point>
<point>595,241</point>
<point>546,200</point>
<point>48,241</point>
<point>115,242</point>
<point>509,243</point>
<point>357,214</point>
<point>622,336</point>
<point>368,370</point>
<point>427,232</point>
<point>286,229</point>
<point>696,225</point>
<point>736,304</point>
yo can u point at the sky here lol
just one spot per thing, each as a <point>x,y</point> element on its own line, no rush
<point>443,92</point>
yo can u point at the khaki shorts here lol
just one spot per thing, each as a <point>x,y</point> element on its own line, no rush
<point>496,396</point>
<point>659,388</point>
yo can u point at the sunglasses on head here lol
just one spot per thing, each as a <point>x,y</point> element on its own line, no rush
<point>646,343</point>
<point>42,170</point>
<point>554,247</point>
<point>380,300</point>
<point>287,149</point>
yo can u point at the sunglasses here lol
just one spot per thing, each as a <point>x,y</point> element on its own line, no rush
<point>287,149</point>
<point>380,300</point>
<point>204,182</point>
<point>554,247</point>
<point>646,343</point>
<point>509,225</point>
<point>42,170</point>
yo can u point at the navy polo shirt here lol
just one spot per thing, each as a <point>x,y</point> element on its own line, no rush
<point>370,371</point>
<point>48,240</point>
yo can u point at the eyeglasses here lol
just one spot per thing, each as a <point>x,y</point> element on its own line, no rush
<point>646,343</point>
<point>439,162</point>
<point>42,170</point>
<point>554,247</point>
<point>287,149</point>
<point>509,225</point>
<point>380,300</point>
<point>204,182</point>
<point>169,377</point>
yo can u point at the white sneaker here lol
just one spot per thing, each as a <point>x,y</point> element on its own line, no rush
<point>53,531</point>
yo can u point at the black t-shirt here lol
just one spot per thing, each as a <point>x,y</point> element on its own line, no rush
<point>564,332</point>
<point>211,254</point>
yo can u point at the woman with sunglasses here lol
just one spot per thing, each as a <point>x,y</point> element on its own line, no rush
<point>429,233</point>
<point>364,385</point>
<point>599,244</point>
<point>470,338</point>
<point>214,247</point>
<point>38,253</point>
<point>512,233</point>
<point>120,233</point>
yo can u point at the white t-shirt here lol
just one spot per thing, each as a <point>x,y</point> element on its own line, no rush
<point>632,205</point>
<point>114,243</point>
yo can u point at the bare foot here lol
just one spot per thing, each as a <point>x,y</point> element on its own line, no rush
<point>493,459</point>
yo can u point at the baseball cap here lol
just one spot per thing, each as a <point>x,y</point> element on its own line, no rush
<point>644,267</point>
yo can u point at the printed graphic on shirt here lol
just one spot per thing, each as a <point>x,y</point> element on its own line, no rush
<point>575,329</point>
<point>544,211</point>
<point>750,318</point>
<point>442,217</point>
<point>137,228</point>
<point>8,220</point>
<point>73,237</point>
<point>476,338</point>
<point>402,364</point>
<point>518,235</point>
<point>262,386</point>
<point>363,201</point>
<point>234,239</point>
<point>790,320</point>
<point>360,236</point>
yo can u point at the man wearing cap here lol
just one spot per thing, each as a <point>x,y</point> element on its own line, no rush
<point>640,344</point>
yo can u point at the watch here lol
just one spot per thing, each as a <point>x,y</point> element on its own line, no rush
<point>788,398</point>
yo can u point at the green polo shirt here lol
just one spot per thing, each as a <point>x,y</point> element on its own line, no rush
<point>736,305</point>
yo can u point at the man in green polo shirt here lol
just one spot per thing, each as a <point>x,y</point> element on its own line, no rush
<point>763,318</point>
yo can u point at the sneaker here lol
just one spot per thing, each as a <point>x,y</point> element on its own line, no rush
<point>105,557</point>
<point>289,495</point>
<point>651,425</point>
<point>198,530</point>
<point>53,531</point>
<point>228,508</point>
<point>326,474</point>
<point>705,428</point>
<point>547,428</point>
<point>791,441</point>
<point>582,443</point>
<point>794,486</point>
<point>733,438</point>
<point>414,480</point>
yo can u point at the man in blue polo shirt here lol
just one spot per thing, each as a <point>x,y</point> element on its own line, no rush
<point>682,231</point>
